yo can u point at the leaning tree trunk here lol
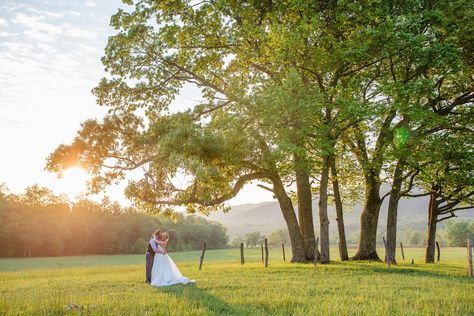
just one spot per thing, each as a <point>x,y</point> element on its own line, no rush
<point>393,212</point>
<point>323,211</point>
<point>432,221</point>
<point>305,210</point>
<point>339,212</point>
<point>367,249</point>
<point>289,215</point>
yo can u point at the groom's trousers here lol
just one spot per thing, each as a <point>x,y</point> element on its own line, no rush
<point>149,265</point>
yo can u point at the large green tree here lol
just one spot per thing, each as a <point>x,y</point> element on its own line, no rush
<point>229,51</point>
<point>424,87</point>
<point>282,83</point>
<point>447,179</point>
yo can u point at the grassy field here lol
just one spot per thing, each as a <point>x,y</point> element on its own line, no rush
<point>114,285</point>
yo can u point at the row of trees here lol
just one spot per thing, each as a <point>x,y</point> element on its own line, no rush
<point>39,223</point>
<point>456,233</point>
<point>255,239</point>
<point>311,98</point>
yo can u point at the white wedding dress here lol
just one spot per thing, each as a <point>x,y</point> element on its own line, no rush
<point>165,272</point>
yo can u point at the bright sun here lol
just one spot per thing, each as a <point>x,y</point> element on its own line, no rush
<point>74,181</point>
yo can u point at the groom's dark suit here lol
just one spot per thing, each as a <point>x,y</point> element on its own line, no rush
<point>150,256</point>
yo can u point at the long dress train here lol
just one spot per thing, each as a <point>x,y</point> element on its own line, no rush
<point>165,272</point>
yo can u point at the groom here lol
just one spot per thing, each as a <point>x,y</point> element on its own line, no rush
<point>150,253</point>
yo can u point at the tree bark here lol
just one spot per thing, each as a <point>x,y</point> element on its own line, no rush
<point>323,212</point>
<point>393,212</point>
<point>432,221</point>
<point>305,209</point>
<point>289,215</point>
<point>286,206</point>
<point>339,212</point>
<point>372,167</point>
<point>368,221</point>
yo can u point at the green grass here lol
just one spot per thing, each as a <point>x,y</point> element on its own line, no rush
<point>21,264</point>
<point>113,285</point>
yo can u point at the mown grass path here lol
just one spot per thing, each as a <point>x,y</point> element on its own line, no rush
<point>113,285</point>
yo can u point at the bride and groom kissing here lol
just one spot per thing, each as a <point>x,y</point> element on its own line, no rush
<point>160,268</point>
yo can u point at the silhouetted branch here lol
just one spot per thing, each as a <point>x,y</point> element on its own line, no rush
<point>194,199</point>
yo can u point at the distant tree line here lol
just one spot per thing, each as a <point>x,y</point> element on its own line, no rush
<point>458,232</point>
<point>254,239</point>
<point>455,234</point>
<point>39,223</point>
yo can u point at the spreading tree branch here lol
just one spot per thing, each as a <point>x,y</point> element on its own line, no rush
<point>265,188</point>
<point>194,199</point>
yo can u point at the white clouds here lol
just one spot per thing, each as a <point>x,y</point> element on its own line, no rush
<point>73,13</point>
<point>7,34</point>
<point>47,48</point>
<point>91,3</point>
<point>72,31</point>
<point>17,48</point>
<point>29,21</point>
<point>3,23</point>
<point>46,13</point>
<point>49,62</point>
<point>44,67</point>
<point>10,7</point>
<point>88,49</point>
<point>56,15</point>
<point>36,29</point>
<point>37,35</point>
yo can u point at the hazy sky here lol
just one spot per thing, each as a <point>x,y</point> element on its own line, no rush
<point>49,61</point>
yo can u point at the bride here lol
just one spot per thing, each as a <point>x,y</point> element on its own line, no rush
<point>164,271</point>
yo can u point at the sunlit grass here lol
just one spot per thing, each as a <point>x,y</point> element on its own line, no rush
<point>114,285</point>
<point>233,255</point>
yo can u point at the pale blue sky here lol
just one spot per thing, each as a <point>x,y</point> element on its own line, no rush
<point>49,61</point>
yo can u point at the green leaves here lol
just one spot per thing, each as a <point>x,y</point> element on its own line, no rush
<point>276,79</point>
<point>402,136</point>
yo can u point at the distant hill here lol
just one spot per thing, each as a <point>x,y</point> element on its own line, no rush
<point>266,217</point>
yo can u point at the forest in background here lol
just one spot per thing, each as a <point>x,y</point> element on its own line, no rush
<point>38,223</point>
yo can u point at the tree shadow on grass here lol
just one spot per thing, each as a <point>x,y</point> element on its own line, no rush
<point>448,273</point>
<point>437,271</point>
<point>200,298</point>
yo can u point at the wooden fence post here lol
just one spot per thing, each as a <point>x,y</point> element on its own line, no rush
<point>387,258</point>
<point>263,260</point>
<point>242,260</point>
<point>266,252</point>
<point>439,252</point>
<point>469,256</point>
<point>283,248</point>
<point>202,256</point>
<point>403,253</point>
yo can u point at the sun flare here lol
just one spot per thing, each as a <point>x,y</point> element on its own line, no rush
<point>73,181</point>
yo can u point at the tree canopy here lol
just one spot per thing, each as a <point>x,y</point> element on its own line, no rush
<point>293,93</point>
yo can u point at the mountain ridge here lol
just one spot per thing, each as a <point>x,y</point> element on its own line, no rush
<point>266,217</point>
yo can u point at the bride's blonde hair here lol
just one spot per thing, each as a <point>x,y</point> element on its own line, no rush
<point>165,236</point>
